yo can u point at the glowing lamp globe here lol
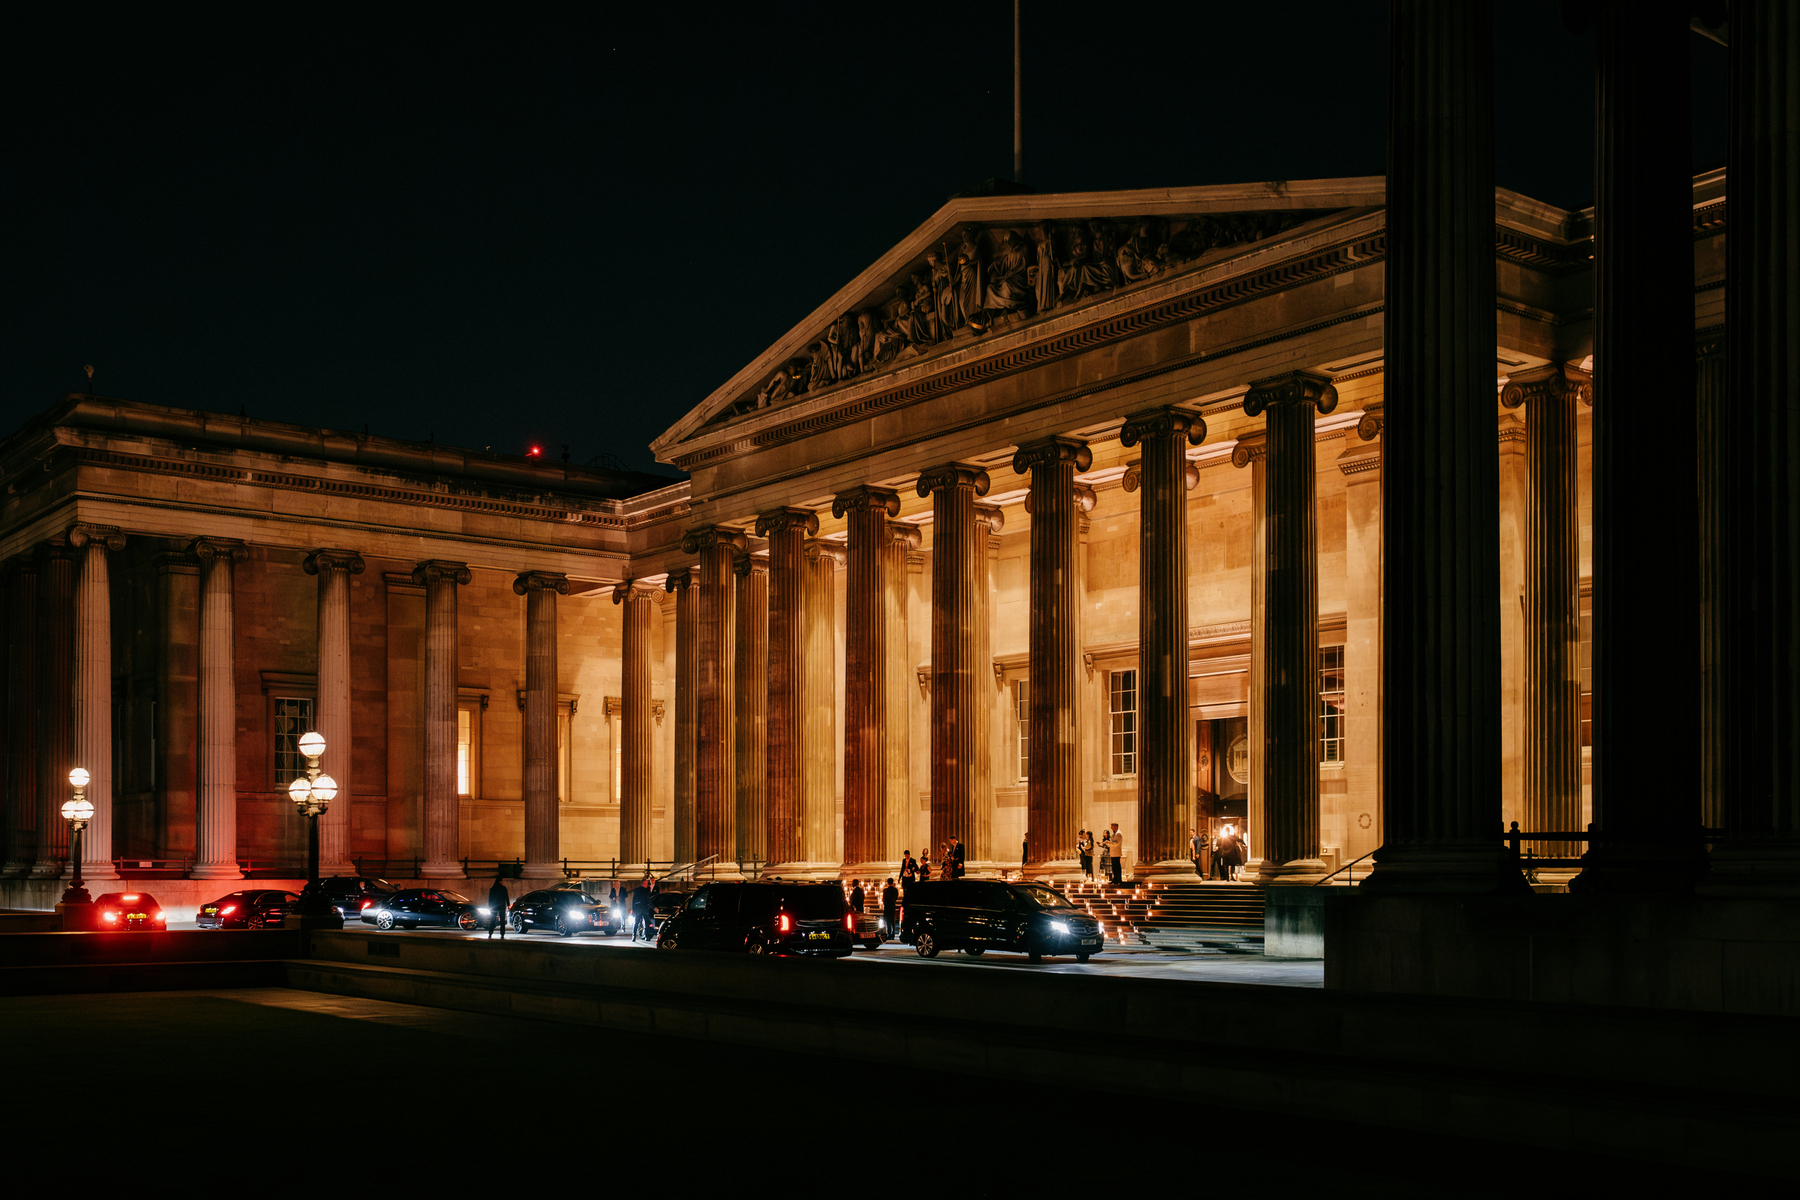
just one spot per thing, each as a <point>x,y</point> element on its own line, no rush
<point>324,788</point>
<point>300,791</point>
<point>78,778</point>
<point>77,810</point>
<point>312,745</point>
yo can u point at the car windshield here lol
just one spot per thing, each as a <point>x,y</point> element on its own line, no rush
<point>455,897</point>
<point>814,903</point>
<point>1042,897</point>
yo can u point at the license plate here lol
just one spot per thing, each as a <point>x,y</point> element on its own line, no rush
<point>209,911</point>
<point>818,936</point>
<point>1090,941</point>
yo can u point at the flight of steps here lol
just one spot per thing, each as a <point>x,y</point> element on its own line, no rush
<point>1175,915</point>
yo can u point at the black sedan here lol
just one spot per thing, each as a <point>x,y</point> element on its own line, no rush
<point>563,911</point>
<point>351,896</point>
<point>129,910</point>
<point>246,910</point>
<point>414,907</point>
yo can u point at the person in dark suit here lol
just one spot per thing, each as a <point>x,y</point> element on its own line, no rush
<point>890,909</point>
<point>497,902</point>
<point>857,896</point>
<point>956,858</point>
<point>909,868</point>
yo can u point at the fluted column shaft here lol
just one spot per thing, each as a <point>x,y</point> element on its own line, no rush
<point>787,530</point>
<point>902,539</point>
<point>56,747</point>
<point>1164,767</point>
<point>868,631</point>
<point>215,824</point>
<point>443,806</point>
<point>961,675</point>
<point>818,788</point>
<point>1711,399</point>
<point>715,801</point>
<point>1290,646</point>
<point>543,821</point>
<point>637,762</point>
<point>1441,567</point>
<point>1552,701</point>
<point>687,709</point>
<point>1053,784</point>
<point>93,691</point>
<point>1758,554</point>
<point>1646,801</point>
<point>752,707</point>
<point>332,715</point>
<point>1252,452</point>
<point>22,715</point>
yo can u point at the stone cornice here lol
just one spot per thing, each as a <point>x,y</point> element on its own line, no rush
<point>334,560</point>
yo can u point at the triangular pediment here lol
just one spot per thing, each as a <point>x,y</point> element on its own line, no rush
<point>985,265</point>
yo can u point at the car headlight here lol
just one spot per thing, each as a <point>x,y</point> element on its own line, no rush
<point>1061,927</point>
<point>486,912</point>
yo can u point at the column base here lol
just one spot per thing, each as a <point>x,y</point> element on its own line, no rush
<point>1468,868</point>
<point>216,871</point>
<point>1760,869</point>
<point>1301,871</point>
<point>537,870</point>
<point>22,869</point>
<point>442,870</point>
<point>97,872</point>
<point>45,870</point>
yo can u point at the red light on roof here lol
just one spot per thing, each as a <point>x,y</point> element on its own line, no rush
<point>535,452</point>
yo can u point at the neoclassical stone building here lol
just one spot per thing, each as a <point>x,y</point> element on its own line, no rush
<point>1065,512</point>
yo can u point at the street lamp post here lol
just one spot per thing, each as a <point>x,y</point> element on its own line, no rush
<point>78,810</point>
<point>312,794</point>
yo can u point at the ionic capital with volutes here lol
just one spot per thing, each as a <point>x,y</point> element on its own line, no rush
<point>1296,387</point>
<point>1252,447</point>
<point>631,590</point>
<point>541,581</point>
<point>1052,450</point>
<point>864,499</point>
<point>953,475</point>
<point>1554,381</point>
<point>334,560</point>
<point>436,570</point>
<point>679,581</point>
<point>1163,422</point>
<point>750,565</point>
<point>990,515</point>
<point>59,547</point>
<point>784,520</point>
<point>709,537</point>
<point>905,533</point>
<point>818,548</point>
<point>208,548</point>
<point>1374,420</point>
<point>107,537</point>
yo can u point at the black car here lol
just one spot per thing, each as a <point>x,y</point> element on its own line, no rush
<point>763,918</point>
<point>561,910</point>
<point>423,906</point>
<point>246,910</point>
<point>978,915</point>
<point>351,895</point>
<point>129,910</point>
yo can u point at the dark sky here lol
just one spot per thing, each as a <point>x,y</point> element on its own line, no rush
<point>554,224</point>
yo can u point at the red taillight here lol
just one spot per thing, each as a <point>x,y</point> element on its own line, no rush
<point>157,915</point>
<point>850,922</point>
<point>228,910</point>
<point>784,923</point>
<point>109,915</point>
<point>131,899</point>
<point>368,904</point>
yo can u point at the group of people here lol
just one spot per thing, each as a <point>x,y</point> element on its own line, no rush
<point>642,899</point>
<point>1226,852</point>
<point>890,902</point>
<point>1112,854</point>
<point>951,863</point>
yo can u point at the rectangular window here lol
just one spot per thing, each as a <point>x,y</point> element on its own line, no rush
<point>465,739</point>
<point>563,753</point>
<point>1022,713</point>
<point>1122,692</point>
<point>1331,704</point>
<point>293,716</point>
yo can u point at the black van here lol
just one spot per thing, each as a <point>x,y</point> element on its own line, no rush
<point>977,915</point>
<point>763,918</point>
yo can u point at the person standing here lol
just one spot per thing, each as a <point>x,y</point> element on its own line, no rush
<point>890,909</point>
<point>1243,855</point>
<point>1196,851</point>
<point>1024,855</point>
<point>1084,849</point>
<point>1105,854</point>
<point>925,867</point>
<point>909,868</point>
<point>857,897</point>
<point>1118,854</point>
<point>956,858</point>
<point>497,903</point>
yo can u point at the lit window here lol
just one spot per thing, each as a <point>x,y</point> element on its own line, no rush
<point>1022,711</point>
<point>1123,704</point>
<point>293,716</point>
<point>563,748</point>
<point>463,735</point>
<point>468,747</point>
<point>1331,704</point>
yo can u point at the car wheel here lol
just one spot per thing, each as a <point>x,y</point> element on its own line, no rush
<point>926,945</point>
<point>384,921</point>
<point>467,923</point>
<point>1082,957</point>
<point>518,923</point>
<point>756,948</point>
<point>253,921</point>
<point>668,942</point>
<point>974,951</point>
<point>563,929</point>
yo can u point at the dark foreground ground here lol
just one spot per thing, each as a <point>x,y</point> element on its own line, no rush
<point>276,1091</point>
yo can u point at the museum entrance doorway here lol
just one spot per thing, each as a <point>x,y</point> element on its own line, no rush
<point>1221,776</point>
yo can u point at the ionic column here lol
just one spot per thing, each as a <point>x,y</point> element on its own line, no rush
<point>1757,732</point>
<point>1711,400</point>
<point>1551,703</point>
<point>1290,644</point>
<point>332,714</point>
<point>962,685</point>
<point>1361,464</point>
<point>818,788</point>
<point>215,825</point>
<point>443,807</point>
<point>715,793</point>
<point>637,762</point>
<point>543,828</point>
<point>687,707</point>
<point>56,569</point>
<point>1053,782</point>
<point>178,702</point>
<point>22,714</point>
<point>868,631</point>
<point>1164,765</point>
<point>752,706</point>
<point>93,691</point>
<point>1252,453</point>
<point>903,539</point>
<point>787,530</point>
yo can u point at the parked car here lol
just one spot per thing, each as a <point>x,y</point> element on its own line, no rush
<point>246,910</point>
<point>423,906</point>
<point>129,910</point>
<point>763,918</point>
<point>566,911</point>
<point>871,930</point>
<point>978,915</point>
<point>352,895</point>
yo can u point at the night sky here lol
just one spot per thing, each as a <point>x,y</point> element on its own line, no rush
<point>511,225</point>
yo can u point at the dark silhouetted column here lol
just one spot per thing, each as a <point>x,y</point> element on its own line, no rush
<point>868,630</point>
<point>752,707</point>
<point>22,714</point>
<point>637,760</point>
<point>687,710</point>
<point>715,736</point>
<point>543,819</point>
<point>1440,720</point>
<point>93,691</point>
<point>215,825</point>
<point>787,530</point>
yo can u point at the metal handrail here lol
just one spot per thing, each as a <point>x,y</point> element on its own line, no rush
<point>1347,866</point>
